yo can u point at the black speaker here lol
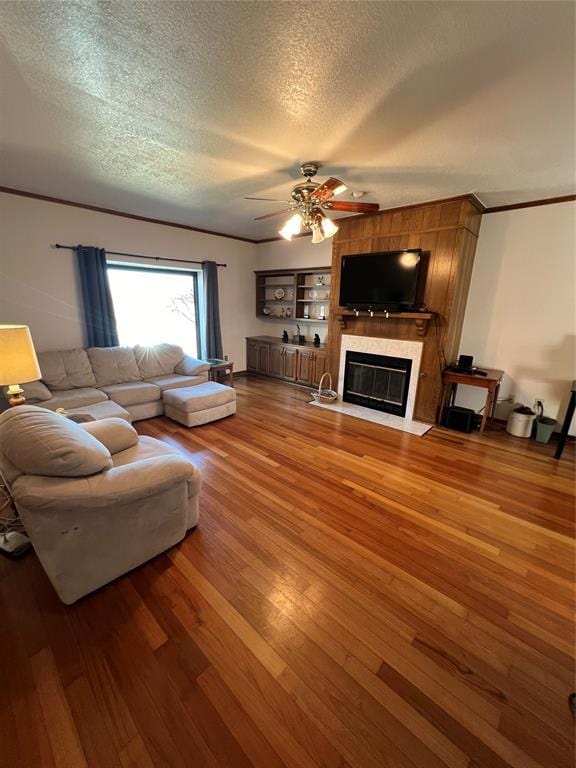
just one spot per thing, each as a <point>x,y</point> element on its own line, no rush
<point>465,361</point>
<point>459,418</point>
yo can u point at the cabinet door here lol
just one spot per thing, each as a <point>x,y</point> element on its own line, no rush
<point>320,366</point>
<point>252,355</point>
<point>276,361</point>
<point>263,353</point>
<point>290,364</point>
<point>305,367</point>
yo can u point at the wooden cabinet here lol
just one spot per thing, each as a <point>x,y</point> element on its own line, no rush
<point>305,367</point>
<point>276,360</point>
<point>257,356</point>
<point>311,366</point>
<point>300,363</point>
<point>290,363</point>
<point>282,362</point>
<point>320,367</point>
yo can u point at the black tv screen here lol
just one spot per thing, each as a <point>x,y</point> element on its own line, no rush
<point>388,280</point>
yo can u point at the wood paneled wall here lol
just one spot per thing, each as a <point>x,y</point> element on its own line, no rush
<point>448,232</point>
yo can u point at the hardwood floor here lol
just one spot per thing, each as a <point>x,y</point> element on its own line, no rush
<point>353,596</point>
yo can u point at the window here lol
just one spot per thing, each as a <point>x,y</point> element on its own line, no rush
<point>154,305</point>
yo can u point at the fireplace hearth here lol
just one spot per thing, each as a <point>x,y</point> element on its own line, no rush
<point>379,382</point>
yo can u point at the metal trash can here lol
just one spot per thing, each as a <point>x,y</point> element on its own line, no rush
<point>520,422</point>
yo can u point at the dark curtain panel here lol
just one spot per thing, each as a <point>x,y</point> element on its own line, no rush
<point>212,335</point>
<point>99,316</point>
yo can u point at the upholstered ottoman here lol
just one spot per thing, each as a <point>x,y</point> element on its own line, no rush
<point>106,410</point>
<point>200,404</point>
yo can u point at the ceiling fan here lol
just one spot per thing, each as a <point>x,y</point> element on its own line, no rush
<point>309,201</point>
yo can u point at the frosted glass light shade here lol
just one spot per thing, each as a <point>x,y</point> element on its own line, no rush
<point>328,227</point>
<point>292,227</point>
<point>18,361</point>
<point>286,232</point>
<point>317,236</point>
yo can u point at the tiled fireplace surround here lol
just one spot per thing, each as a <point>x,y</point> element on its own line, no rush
<point>410,350</point>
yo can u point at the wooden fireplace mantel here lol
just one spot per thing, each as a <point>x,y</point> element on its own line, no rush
<point>419,318</point>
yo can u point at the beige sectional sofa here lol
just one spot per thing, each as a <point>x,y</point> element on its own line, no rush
<point>132,377</point>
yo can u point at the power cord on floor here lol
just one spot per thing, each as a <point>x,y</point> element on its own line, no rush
<point>8,523</point>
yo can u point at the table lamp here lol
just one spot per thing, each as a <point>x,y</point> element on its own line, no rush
<point>18,361</point>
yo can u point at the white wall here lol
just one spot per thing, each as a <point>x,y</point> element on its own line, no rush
<point>301,253</point>
<point>38,284</point>
<point>520,315</point>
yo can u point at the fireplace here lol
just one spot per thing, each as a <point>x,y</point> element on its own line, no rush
<point>388,394</point>
<point>377,381</point>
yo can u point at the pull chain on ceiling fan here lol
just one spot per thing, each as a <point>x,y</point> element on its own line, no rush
<point>309,200</point>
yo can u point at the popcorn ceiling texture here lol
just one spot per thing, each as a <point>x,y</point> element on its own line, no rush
<point>177,110</point>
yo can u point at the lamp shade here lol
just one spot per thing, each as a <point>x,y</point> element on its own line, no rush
<point>18,361</point>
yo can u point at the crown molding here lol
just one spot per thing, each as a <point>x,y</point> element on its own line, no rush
<point>531,203</point>
<point>123,214</point>
<point>471,197</point>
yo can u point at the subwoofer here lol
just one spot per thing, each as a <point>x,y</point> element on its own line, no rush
<point>461,419</point>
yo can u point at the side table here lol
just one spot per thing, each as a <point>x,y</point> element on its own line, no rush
<point>490,382</point>
<point>567,422</point>
<point>220,365</point>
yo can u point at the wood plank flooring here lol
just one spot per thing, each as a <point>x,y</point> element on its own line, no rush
<point>354,597</point>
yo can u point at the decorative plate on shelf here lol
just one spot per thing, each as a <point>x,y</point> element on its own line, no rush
<point>279,293</point>
<point>266,311</point>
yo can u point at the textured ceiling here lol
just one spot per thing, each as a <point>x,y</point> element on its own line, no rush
<point>177,110</point>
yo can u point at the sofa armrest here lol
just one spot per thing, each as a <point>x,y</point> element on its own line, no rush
<point>190,366</point>
<point>116,434</point>
<point>104,491</point>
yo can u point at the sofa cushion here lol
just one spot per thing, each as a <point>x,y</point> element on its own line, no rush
<point>39,442</point>
<point>175,381</point>
<point>66,369</point>
<point>116,434</point>
<point>158,360</point>
<point>75,398</point>
<point>191,366</point>
<point>113,365</point>
<point>106,410</point>
<point>199,398</point>
<point>133,393</point>
<point>34,392</point>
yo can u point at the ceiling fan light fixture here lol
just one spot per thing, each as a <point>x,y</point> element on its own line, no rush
<point>292,227</point>
<point>329,228</point>
<point>295,222</point>
<point>317,235</point>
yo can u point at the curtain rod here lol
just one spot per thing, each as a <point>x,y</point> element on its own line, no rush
<point>138,255</point>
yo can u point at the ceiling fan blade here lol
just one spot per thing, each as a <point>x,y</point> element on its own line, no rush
<point>275,213</point>
<point>268,199</point>
<point>341,205</point>
<point>329,188</point>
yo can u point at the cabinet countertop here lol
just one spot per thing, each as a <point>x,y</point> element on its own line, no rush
<point>278,340</point>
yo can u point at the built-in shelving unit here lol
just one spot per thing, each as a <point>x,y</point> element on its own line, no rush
<point>302,294</point>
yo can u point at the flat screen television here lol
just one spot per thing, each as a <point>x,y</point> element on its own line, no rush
<point>389,280</point>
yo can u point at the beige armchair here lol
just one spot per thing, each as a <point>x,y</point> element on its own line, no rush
<point>96,499</point>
